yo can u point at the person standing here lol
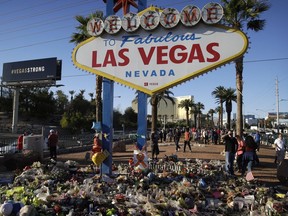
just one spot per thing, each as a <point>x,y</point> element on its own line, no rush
<point>230,143</point>
<point>240,152</point>
<point>164,135</point>
<point>257,139</point>
<point>52,144</point>
<point>187,138</point>
<point>215,136</point>
<point>154,145</point>
<point>161,136</point>
<point>249,155</point>
<point>20,141</point>
<point>177,137</point>
<point>280,149</point>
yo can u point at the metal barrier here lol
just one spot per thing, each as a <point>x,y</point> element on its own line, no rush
<point>8,145</point>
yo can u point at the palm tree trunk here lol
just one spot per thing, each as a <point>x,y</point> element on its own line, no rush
<point>98,98</point>
<point>221,114</point>
<point>154,104</point>
<point>187,118</point>
<point>199,120</point>
<point>228,120</point>
<point>239,86</point>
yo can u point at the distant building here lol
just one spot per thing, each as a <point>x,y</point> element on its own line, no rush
<point>282,116</point>
<point>250,120</point>
<point>169,112</point>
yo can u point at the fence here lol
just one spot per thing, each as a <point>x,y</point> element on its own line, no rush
<point>66,142</point>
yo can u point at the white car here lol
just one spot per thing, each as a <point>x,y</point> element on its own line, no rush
<point>8,149</point>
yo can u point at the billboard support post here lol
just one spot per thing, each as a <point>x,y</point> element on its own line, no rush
<point>15,110</point>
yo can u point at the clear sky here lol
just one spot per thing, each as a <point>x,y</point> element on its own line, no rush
<point>42,29</point>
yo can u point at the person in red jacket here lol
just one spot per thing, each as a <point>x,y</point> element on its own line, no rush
<point>52,143</point>
<point>20,141</point>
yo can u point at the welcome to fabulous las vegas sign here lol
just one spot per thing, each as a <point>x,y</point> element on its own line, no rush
<point>155,50</point>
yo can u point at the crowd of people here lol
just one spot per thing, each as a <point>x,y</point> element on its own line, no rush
<point>240,152</point>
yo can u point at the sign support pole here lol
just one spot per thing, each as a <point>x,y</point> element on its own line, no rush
<point>142,101</point>
<point>107,124</point>
<point>107,112</point>
<point>142,120</point>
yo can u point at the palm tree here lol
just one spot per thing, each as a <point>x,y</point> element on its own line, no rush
<point>229,96</point>
<point>218,93</point>
<point>154,101</point>
<point>194,112</point>
<point>212,112</point>
<point>91,94</point>
<point>241,13</point>
<point>77,38</point>
<point>186,104</point>
<point>82,91</point>
<point>198,108</point>
<point>72,92</point>
<point>219,110</point>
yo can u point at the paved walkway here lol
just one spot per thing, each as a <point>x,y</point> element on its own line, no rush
<point>266,172</point>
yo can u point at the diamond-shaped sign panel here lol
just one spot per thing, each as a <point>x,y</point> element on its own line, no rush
<point>152,61</point>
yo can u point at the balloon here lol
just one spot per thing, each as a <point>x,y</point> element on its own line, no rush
<point>96,126</point>
<point>98,158</point>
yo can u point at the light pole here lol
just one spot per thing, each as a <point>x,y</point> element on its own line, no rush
<point>123,127</point>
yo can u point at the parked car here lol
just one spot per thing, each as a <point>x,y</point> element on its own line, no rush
<point>8,149</point>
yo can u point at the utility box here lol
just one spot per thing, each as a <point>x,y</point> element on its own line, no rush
<point>34,143</point>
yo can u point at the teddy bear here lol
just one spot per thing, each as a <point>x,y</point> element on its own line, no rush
<point>10,208</point>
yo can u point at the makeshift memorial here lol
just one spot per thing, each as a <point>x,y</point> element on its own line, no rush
<point>163,188</point>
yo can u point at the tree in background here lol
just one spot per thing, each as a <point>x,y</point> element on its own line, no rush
<point>78,115</point>
<point>212,112</point>
<point>218,93</point>
<point>198,109</point>
<point>238,14</point>
<point>130,118</point>
<point>37,103</point>
<point>186,104</point>
<point>154,101</point>
<point>229,96</point>
<point>218,110</point>
<point>6,100</point>
<point>61,102</point>
<point>71,92</point>
<point>80,36</point>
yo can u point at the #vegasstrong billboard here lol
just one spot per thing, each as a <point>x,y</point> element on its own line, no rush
<point>152,51</point>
